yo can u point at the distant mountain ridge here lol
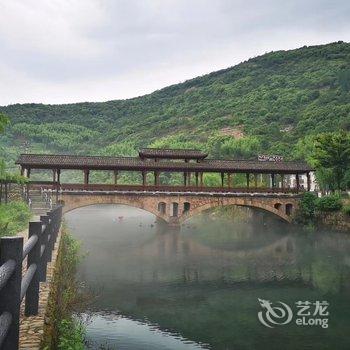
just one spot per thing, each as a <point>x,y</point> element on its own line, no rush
<point>265,104</point>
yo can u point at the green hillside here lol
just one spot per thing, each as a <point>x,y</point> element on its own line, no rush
<point>265,104</point>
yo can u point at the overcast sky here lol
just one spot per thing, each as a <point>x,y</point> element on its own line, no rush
<point>61,51</point>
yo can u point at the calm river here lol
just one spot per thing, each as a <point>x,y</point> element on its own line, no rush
<point>199,287</point>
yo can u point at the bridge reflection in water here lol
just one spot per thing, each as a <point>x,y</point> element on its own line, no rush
<point>202,282</point>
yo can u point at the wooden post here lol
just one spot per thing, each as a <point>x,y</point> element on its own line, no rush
<point>86,177</point>
<point>156,178</point>
<point>10,295</point>
<point>144,178</point>
<point>247,176</point>
<point>222,179</point>
<point>32,295</point>
<point>196,175</point>
<point>229,185</point>
<point>201,179</point>
<point>282,181</point>
<point>273,182</point>
<point>297,182</point>
<point>189,178</point>
<point>59,176</point>
<point>256,180</point>
<point>115,172</point>
<point>308,181</point>
<point>53,175</point>
<point>185,178</point>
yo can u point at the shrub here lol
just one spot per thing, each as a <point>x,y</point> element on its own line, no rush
<point>346,209</point>
<point>72,335</point>
<point>329,203</point>
<point>14,217</point>
<point>307,204</point>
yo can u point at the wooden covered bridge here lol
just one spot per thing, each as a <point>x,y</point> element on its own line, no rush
<point>267,179</point>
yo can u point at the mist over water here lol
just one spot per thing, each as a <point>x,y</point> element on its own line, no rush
<point>198,287</point>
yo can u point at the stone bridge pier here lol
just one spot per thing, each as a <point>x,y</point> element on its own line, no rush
<point>174,209</point>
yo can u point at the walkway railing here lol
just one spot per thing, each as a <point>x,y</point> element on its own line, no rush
<point>164,188</point>
<point>13,287</point>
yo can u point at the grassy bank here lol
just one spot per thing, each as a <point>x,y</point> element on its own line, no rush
<point>14,218</point>
<point>63,331</point>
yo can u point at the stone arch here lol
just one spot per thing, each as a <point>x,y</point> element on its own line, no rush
<point>236,201</point>
<point>277,206</point>
<point>72,202</point>
<point>289,209</point>
<point>175,209</point>
<point>162,208</point>
<point>187,207</point>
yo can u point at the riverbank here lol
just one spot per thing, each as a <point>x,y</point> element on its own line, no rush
<point>338,220</point>
<point>62,330</point>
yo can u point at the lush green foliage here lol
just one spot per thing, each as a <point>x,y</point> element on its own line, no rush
<point>329,153</point>
<point>71,335</point>
<point>66,331</point>
<point>332,153</point>
<point>346,209</point>
<point>14,218</point>
<point>329,203</point>
<point>3,121</point>
<point>272,101</point>
<point>307,207</point>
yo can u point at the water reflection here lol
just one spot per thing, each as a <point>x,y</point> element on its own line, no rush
<point>200,285</point>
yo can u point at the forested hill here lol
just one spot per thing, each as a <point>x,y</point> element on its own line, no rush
<point>265,104</point>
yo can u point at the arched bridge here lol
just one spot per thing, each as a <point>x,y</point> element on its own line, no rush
<point>176,207</point>
<point>271,184</point>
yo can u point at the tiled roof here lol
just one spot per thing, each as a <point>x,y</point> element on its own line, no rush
<point>55,161</point>
<point>172,153</point>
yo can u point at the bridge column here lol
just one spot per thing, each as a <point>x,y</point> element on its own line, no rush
<point>196,175</point>
<point>144,178</point>
<point>247,176</point>
<point>282,180</point>
<point>115,173</point>
<point>156,178</point>
<point>201,179</point>
<point>185,178</point>
<point>222,179</point>
<point>59,175</point>
<point>86,177</point>
<point>273,180</point>
<point>308,181</point>
<point>297,180</point>
<point>189,178</point>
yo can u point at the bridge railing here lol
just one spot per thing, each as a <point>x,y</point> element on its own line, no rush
<point>166,188</point>
<point>16,281</point>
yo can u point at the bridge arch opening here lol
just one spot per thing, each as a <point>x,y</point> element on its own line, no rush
<point>289,209</point>
<point>175,207</point>
<point>278,206</point>
<point>187,207</point>
<point>277,210</point>
<point>162,207</point>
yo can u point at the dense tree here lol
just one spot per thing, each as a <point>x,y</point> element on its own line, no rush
<point>332,152</point>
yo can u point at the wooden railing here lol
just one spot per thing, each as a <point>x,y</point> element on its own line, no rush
<point>163,188</point>
<point>13,287</point>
